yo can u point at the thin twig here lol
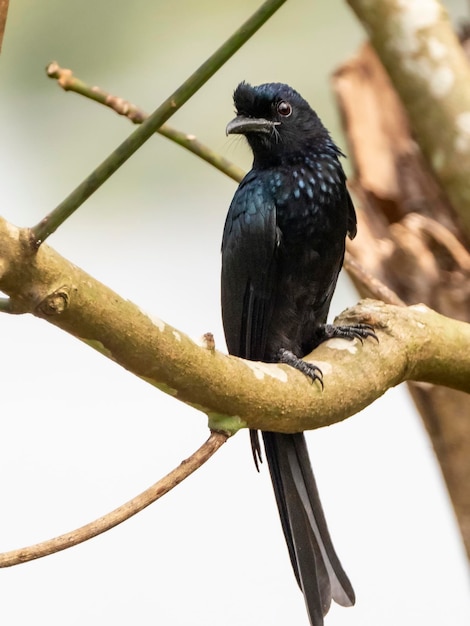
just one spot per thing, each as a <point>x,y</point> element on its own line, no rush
<point>69,82</point>
<point>113,162</point>
<point>122,513</point>
<point>374,286</point>
<point>441,235</point>
<point>3,19</point>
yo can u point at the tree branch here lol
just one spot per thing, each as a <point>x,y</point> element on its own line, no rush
<point>371,286</point>
<point>3,19</point>
<point>122,513</point>
<point>408,237</point>
<point>69,82</point>
<point>66,79</point>
<point>415,344</point>
<point>113,162</point>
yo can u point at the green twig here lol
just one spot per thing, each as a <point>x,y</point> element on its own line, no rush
<point>69,82</point>
<point>53,220</point>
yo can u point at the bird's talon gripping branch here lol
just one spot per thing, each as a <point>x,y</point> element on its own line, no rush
<point>310,370</point>
<point>356,331</point>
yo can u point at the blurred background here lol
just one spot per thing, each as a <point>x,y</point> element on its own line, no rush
<point>79,436</point>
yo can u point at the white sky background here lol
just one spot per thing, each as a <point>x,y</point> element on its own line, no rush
<point>79,435</point>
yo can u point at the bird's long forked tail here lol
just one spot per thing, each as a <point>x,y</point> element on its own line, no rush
<point>316,566</point>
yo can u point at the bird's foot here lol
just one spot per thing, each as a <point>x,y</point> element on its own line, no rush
<point>357,331</point>
<point>309,369</point>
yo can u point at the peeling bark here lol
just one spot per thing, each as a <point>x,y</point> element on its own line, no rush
<point>411,238</point>
<point>422,55</point>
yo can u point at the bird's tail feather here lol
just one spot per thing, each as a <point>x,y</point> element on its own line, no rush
<point>314,560</point>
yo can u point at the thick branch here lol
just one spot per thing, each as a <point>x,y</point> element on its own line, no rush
<point>408,237</point>
<point>415,344</point>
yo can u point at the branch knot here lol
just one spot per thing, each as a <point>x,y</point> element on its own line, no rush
<point>55,303</point>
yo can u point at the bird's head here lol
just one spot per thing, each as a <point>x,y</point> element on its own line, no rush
<point>276,121</point>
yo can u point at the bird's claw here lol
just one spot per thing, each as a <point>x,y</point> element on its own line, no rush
<point>310,370</point>
<point>356,331</point>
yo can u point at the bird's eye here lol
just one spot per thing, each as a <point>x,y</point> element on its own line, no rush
<point>284,108</point>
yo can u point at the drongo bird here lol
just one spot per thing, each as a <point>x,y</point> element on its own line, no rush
<point>282,250</point>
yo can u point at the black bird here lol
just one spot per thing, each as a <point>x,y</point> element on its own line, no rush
<point>282,250</point>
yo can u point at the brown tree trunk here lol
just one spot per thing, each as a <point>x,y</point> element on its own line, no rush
<point>411,239</point>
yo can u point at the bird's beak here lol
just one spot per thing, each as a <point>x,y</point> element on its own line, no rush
<point>242,125</point>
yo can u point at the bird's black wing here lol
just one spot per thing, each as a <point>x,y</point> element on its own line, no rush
<point>352,220</point>
<point>249,248</point>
